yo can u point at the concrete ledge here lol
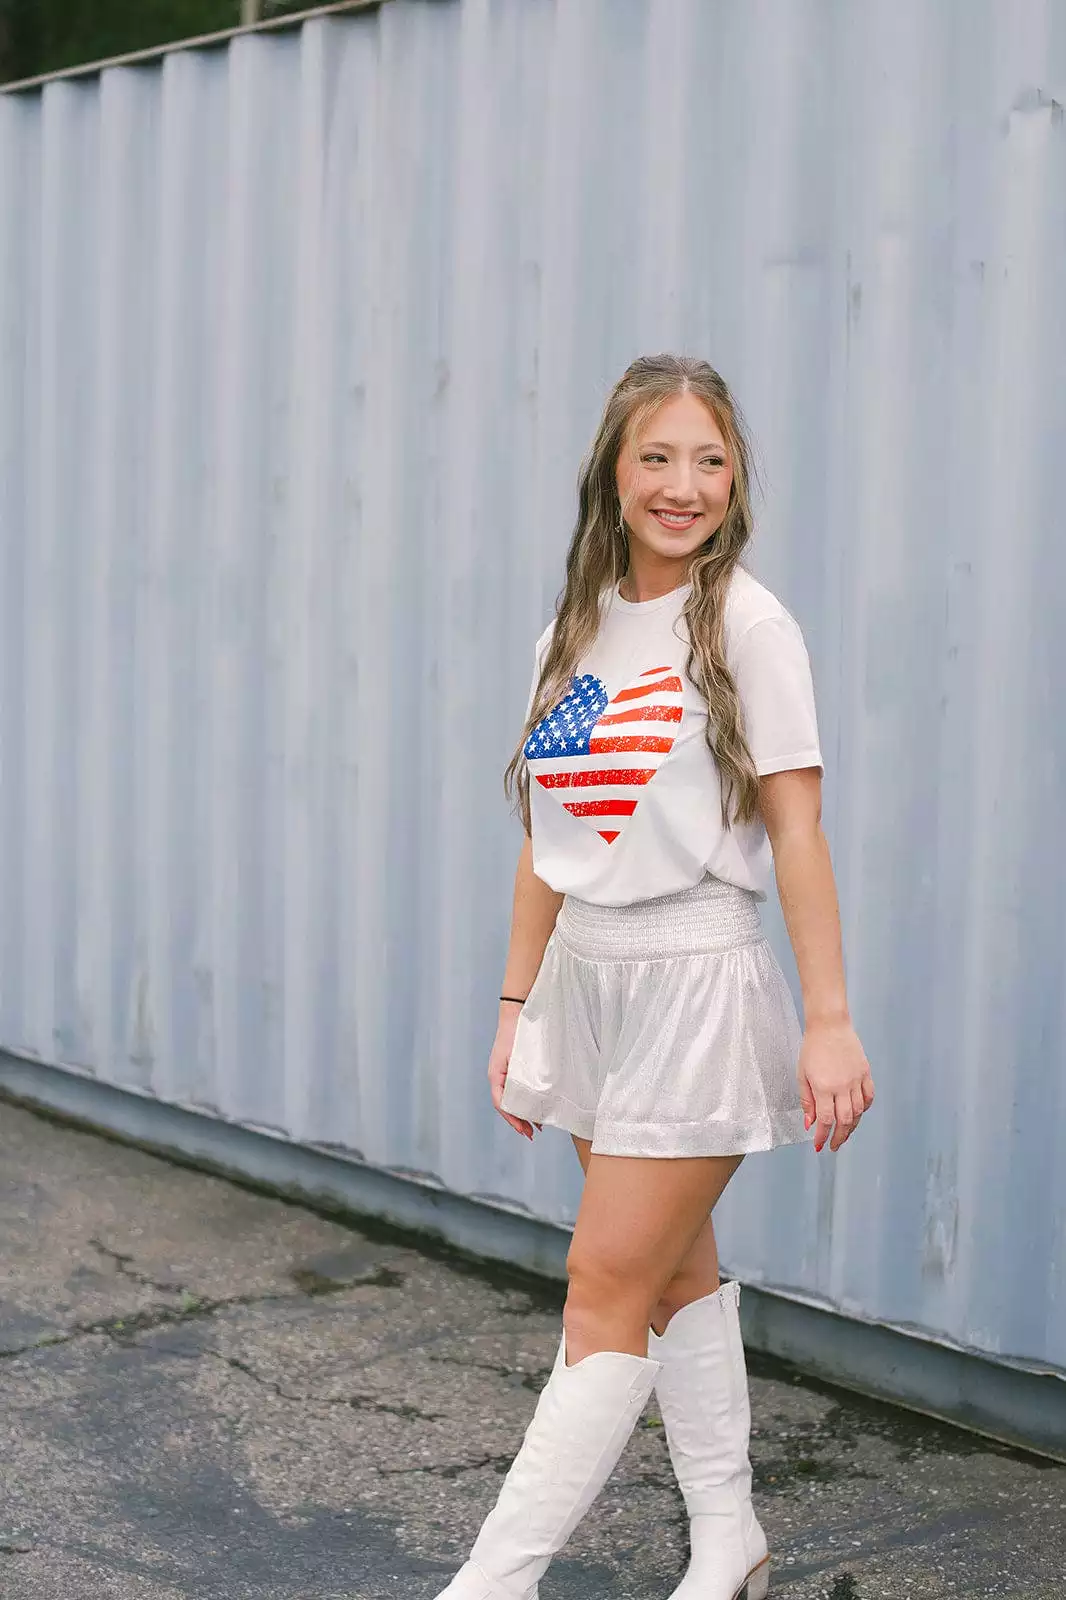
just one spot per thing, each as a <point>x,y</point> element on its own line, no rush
<point>1012,1404</point>
<point>321,1178</point>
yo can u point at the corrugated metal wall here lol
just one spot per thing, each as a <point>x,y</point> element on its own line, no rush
<point>300,344</point>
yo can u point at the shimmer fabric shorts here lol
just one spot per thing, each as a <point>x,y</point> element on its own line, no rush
<point>661,1028</point>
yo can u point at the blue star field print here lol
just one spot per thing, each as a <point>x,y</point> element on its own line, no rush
<point>566,730</point>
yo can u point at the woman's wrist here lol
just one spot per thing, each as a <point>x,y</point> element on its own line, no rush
<point>827,1016</point>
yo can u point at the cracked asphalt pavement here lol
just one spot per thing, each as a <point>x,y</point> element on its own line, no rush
<point>209,1391</point>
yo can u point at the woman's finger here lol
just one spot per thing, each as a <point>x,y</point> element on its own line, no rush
<point>497,1079</point>
<point>824,1125</point>
<point>845,1118</point>
<point>858,1105</point>
<point>806,1101</point>
<point>868,1090</point>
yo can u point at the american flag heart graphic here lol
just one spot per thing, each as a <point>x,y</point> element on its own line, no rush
<point>595,755</point>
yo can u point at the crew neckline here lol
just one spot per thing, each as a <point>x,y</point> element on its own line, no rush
<point>644,606</point>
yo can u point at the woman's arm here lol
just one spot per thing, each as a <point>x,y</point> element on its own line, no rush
<point>835,1079</point>
<point>533,915</point>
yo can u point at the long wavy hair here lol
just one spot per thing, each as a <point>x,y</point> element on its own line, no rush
<point>598,558</point>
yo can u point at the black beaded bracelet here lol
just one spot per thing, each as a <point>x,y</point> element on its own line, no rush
<point>513,998</point>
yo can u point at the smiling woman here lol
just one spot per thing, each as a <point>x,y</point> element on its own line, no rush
<point>670,748</point>
<point>679,483</point>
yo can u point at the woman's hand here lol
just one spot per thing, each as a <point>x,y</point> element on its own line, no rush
<point>499,1057</point>
<point>834,1080</point>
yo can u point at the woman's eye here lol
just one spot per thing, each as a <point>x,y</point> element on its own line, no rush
<point>654,458</point>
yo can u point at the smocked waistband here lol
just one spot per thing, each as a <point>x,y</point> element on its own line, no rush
<point>711,917</point>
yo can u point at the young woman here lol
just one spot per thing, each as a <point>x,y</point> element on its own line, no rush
<point>670,743</point>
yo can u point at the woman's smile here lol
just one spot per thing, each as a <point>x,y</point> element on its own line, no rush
<point>678,521</point>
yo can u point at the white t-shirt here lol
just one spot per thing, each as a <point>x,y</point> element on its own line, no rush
<point>625,796</point>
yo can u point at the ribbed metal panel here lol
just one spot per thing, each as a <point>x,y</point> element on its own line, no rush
<point>301,341</point>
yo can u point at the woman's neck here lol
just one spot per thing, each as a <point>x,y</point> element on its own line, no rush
<point>637,586</point>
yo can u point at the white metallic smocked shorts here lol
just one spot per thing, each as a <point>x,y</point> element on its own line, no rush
<point>661,1028</point>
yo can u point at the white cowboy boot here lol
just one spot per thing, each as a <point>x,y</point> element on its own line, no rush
<point>585,1414</point>
<point>703,1396</point>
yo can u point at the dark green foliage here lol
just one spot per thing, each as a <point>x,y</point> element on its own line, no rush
<point>45,35</point>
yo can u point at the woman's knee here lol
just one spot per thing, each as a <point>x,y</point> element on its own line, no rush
<point>606,1285</point>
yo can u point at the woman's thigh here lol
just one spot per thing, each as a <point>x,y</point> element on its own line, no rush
<point>638,1219</point>
<point>697,1272</point>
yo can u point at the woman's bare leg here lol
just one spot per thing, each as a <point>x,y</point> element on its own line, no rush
<point>638,1221</point>
<point>697,1273</point>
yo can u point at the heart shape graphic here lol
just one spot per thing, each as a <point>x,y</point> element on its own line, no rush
<point>609,749</point>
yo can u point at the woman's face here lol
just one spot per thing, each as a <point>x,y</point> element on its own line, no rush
<point>674,479</point>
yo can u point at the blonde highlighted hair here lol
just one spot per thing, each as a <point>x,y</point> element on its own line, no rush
<point>598,559</point>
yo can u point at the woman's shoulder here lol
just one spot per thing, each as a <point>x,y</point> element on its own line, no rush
<point>604,607</point>
<point>749,602</point>
<point>544,640</point>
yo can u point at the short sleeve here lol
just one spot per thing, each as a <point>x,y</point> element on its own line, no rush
<point>772,673</point>
<point>538,658</point>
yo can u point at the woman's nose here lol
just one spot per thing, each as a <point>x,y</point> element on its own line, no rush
<point>680,486</point>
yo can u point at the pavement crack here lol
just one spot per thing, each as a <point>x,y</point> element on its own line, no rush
<point>451,1469</point>
<point>126,1268</point>
<point>121,1329</point>
<point>190,1306</point>
<point>533,1381</point>
<point>356,1402</point>
<point>12,1352</point>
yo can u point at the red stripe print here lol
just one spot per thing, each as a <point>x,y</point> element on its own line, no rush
<point>610,837</point>
<point>644,714</point>
<point>618,742</point>
<point>616,775</point>
<point>664,686</point>
<point>600,808</point>
<point>613,775</point>
<point>653,672</point>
